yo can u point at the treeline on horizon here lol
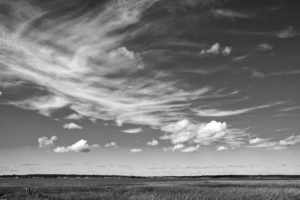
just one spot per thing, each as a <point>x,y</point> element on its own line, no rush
<point>157,177</point>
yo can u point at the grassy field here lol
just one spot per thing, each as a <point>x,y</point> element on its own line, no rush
<point>142,188</point>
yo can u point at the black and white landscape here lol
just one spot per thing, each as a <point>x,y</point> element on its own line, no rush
<point>150,88</point>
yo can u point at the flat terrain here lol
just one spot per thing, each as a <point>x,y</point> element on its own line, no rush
<point>149,188</point>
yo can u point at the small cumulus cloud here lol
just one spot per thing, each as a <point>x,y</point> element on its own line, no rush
<point>133,131</point>
<point>80,146</point>
<point>182,148</point>
<point>71,125</point>
<point>257,140</point>
<point>216,49</point>
<point>153,142</point>
<point>135,150</point>
<point>222,148</point>
<point>45,142</point>
<point>111,144</point>
<point>190,149</point>
<point>176,147</point>
<point>202,133</point>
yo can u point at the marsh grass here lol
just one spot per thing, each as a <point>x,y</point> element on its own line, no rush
<point>127,189</point>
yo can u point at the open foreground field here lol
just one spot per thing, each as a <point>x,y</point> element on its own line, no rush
<point>149,188</point>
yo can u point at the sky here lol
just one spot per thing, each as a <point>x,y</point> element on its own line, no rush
<point>150,87</point>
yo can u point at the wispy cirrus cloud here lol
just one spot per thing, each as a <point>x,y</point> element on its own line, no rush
<point>224,113</point>
<point>290,108</point>
<point>257,140</point>
<point>288,32</point>
<point>264,46</point>
<point>276,145</point>
<point>74,116</point>
<point>45,105</point>
<point>83,66</point>
<point>285,73</point>
<point>80,146</point>
<point>232,14</point>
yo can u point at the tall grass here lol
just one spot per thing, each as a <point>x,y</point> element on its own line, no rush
<point>150,190</point>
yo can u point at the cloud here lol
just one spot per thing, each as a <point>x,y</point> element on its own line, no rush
<point>222,148</point>
<point>216,49</point>
<point>262,47</point>
<point>153,142</point>
<point>257,140</point>
<point>86,61</point>
<point>290,108</point>
<point>265,47</point>
<point>133,131</point>
<point>288,32</point>
<point>82,62</point>
<point>45,142</point>
<point>182,148</point>
<point>292,140</point>
<point>1,93</point>
<point>232,14</point>
<point>285,73</point>
<point>111,144</point>
<point>190,149</point>
<point>124,52</point>
<point>241,58</point>
<point>74,116</point>
<point>276,145</point>
<point>135,150</point>
<point>193,3</point>
<point>257,74</point>
<point>176,147</point>
<point>44,105</point>
<point>80,146</point>
<point>254,72</point>
<point>224,113</point>
<point>71,125</point>
<point>202,133</point>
